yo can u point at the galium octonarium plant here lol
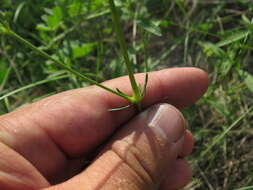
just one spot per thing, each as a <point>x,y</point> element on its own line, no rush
<point>138,92</point>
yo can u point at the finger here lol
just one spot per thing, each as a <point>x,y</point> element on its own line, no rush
<point>188,145</point>
<point>139,155</point>
<point>17,173</point>
<point>90,106</point>
<point>179,176</point>
<point>74,122</point>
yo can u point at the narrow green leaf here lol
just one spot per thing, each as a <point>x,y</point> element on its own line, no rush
<point>43,27</point>
<point>219,107</point>
<point>245,19</point>
<point>249,81</point>
<point>97,14</point>
<point>32,85</point>
<point>211,49</point>
<point>121,108</point>
<point>151,26</point>
<point>18,10</point>
<point>119,91</point>
<point>233,38</point>
<point>145,85</point>
<point>82,50</point>
<point>245,188</point>
<point>4,72</point>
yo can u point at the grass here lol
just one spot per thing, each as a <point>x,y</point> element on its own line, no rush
<point>215,35</point>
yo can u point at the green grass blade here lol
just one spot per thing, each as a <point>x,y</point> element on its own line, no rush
<point>6,76</point>
<point>7,105</point>
<point>219,138</point>
<point>245,188</point>
<point>233,38</point>
<point>32,85</point>
<point>18,11</point>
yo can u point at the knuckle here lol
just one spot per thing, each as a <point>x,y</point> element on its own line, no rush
<point>131,155</point>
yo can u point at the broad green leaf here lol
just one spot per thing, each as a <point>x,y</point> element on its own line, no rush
<point>75,49</point>
<point>205,26</point>
<point>55,19</point>
<point>2,29</point>
<point>82,50</point>
<point>75,8</point>
<point>52,19</point>
<point>96,4</point>
<point>151,26</point>
<point>233,38</point>
<point>57,13</point>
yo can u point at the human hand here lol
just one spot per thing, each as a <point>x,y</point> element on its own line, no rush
<point>48,142</point>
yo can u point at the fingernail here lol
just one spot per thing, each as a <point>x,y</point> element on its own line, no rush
<point>167,121</point>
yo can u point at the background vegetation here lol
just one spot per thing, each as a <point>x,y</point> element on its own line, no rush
<point>215,35</point>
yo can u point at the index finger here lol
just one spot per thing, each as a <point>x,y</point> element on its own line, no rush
<point>78,120</point>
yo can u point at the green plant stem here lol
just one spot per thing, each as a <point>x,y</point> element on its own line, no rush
<point>32,85</point>
<point>44,54</point>
<point>137,97</point>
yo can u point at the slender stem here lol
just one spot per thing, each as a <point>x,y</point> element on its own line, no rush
<point>31,86</point>
<point>137,96</point>
<point>44,54</point>
<point>144,37</point>
<point>115,17</point>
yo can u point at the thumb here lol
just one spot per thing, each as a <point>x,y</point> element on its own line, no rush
<point>139,155</point>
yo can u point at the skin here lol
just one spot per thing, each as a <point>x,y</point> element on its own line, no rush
<point>47,144</point>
